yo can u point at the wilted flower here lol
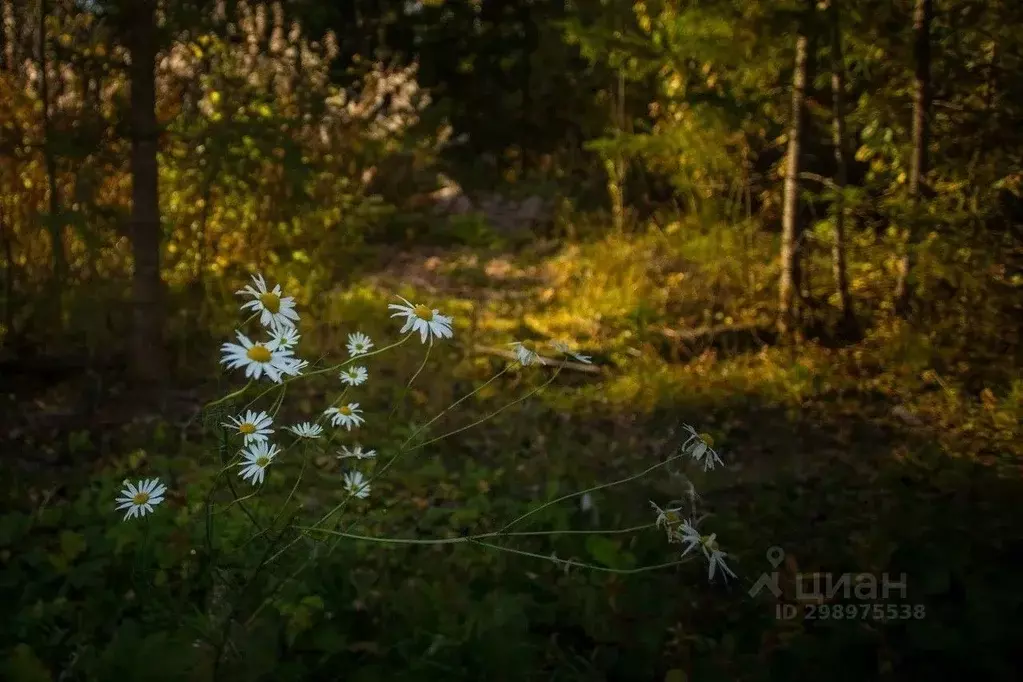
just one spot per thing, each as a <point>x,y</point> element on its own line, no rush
<point>668,519</point>
<point>525,352</point>
<point>716,558</point>
<point>692,538</point>
<point>355,484</point>
<point>563,348</point>
<point>306,430</point>
<point>698,449</point>
<point>357,452</point>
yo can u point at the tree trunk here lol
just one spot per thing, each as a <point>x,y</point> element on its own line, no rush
<point>54,219</point>
<point>4,59</point>
<point>791,232</point>
<point>146,236</point>
<point>841,169</point>
<point>615,167</point>
<point>6,237</point>
<point>922,14</point>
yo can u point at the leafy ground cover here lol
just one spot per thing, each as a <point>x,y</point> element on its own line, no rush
<point>853,457</point>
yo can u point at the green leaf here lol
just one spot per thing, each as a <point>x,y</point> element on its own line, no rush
<point>313,601</point>
<point>22,665</point>
<point>136,458</point>
<point>609,553</point>
<point>71,545</point>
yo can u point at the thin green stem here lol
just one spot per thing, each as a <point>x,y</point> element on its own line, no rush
<point>551,503</point>
<point>486,417</point>
<point>335,368</point>
<point>471,538</point>
<point>403,448</point>
<point>225,630</point>
<point>340,507</point>
<point>421,365</point>
<point>580,564</point>
<point>276,406</point>
<point>239,500</point>
<point>273,590</point>
<point>230,396</point>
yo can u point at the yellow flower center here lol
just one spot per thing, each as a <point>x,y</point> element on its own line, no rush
<point>259,353</point>
<point>247,428</point>
<point>262,461</point>
<point>346,411</point>
<point>140,498</point>
<point>423,313</point>
<point>271,302</point>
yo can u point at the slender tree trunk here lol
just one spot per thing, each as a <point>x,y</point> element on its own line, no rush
<point>54,218</point>
<point>146,237</point>
<point>615,167</point>
<point>9,36</point>
<point>841,170</point>
<point>790,223</point>
<point>7,239</point>
<point>4,59</point>
<point>922,13</point>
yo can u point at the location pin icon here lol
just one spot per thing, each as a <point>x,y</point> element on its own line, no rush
<point>775,555</point>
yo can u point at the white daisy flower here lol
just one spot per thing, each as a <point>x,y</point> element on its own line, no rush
<point>355,484</point>
<point>689,536</point>
<point>355,376</point>
<point>710,458</point>
<point>716,558</point>
<point>347,415</point>
<point>293,366</point>
<point>253,426</point>
<point>358,343</point>
<point>666,518</point>
<point>563,348</point>
<point>525,352</point>
<point>692,538</point>
<point>286,337</point>
<point>700,451</point>
<point>258,358</point>
<point>357,452</point>
<point>306,430</point>
<point>419,318</point>
<point>256,459</point>
<point>140,499</point>
<point>275,311</point>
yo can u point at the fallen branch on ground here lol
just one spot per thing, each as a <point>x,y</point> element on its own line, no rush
<point>564,364</point>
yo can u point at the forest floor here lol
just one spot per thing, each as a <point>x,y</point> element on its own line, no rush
<point>842,455</point>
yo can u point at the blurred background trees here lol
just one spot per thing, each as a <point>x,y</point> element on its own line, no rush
<point>164,145</point>
<point>796,223</point>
